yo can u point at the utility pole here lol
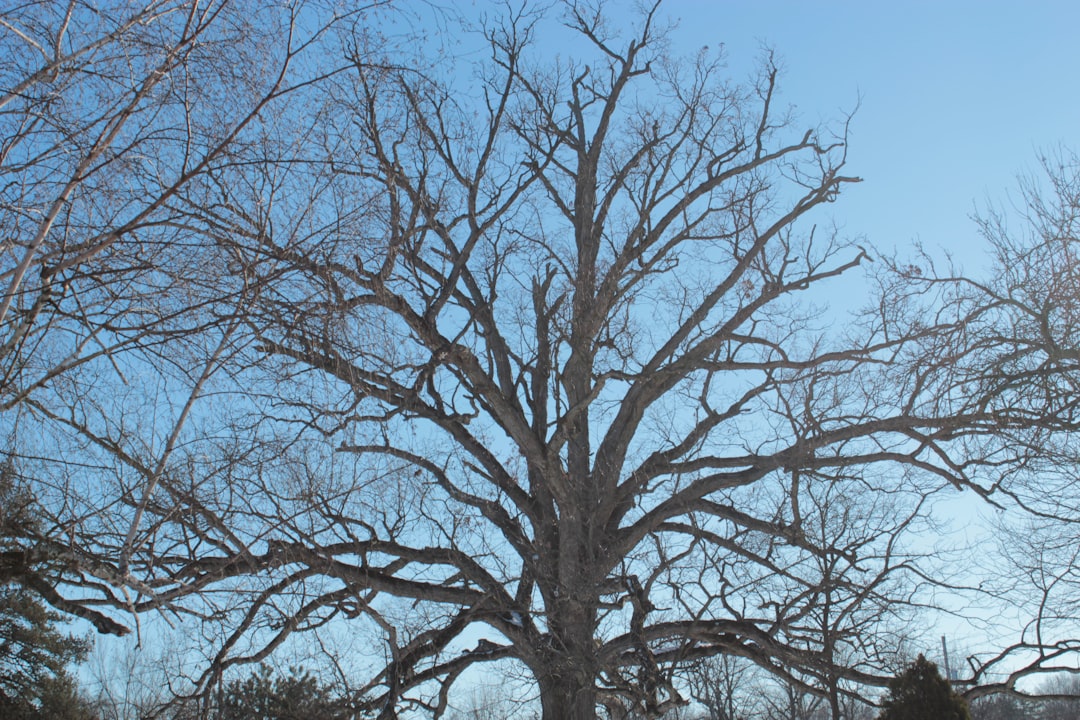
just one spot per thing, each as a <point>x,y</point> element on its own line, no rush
<point>945,652</point>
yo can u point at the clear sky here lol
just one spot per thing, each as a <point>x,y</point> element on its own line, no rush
<point>955,98</point>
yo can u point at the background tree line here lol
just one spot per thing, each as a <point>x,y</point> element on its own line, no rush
<point>505,359</point>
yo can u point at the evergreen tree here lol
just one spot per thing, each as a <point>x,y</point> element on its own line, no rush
<point>920,693</point>
<point>34,655</point>
<point>296,696</point>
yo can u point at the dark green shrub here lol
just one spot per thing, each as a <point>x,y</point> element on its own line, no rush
<point>920,693</point>
<point>296,696</point>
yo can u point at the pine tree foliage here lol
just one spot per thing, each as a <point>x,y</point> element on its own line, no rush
<point>34,656</point>
<point>920,693</point>
<point>297,695</point>
<point>34,652</point>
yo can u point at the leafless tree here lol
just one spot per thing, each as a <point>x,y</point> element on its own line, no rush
<point>112,115</point>
<point>998,707</point>
<point>125,683</point>
<point>1020,332</point>
<point>530,365</point>
<point>108,111</point>
<point>1061,698</point>
<point>567,330</point>
<point>581,294</point>
<point>726,687</point>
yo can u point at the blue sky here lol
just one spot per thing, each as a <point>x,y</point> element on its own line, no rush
<point>955,98</point>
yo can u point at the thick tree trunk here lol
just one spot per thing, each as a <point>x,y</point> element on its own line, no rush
<point>567,675</point>
<point>568,696</point>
